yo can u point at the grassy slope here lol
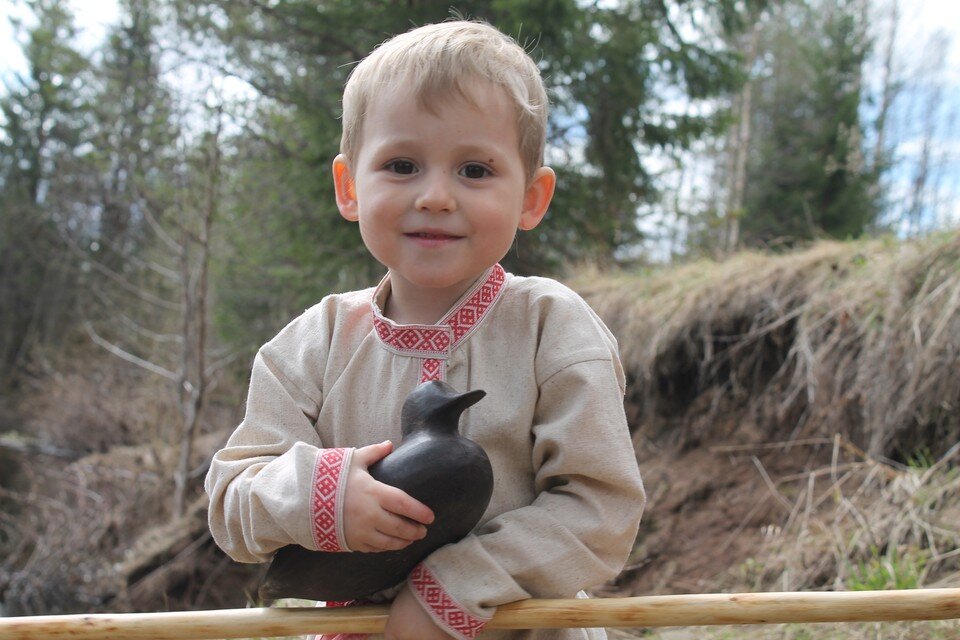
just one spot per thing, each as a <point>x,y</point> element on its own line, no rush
<point>795,417</point>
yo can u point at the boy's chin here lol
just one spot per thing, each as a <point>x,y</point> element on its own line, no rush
<point>440,282</point>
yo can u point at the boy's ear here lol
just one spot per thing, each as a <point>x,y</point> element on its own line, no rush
<point>345,189</point>
<point>537,198</point>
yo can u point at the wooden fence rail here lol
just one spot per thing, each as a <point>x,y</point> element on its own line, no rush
<point>645,611</point>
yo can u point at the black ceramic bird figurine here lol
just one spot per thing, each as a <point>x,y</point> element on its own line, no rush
<point>434,464</point>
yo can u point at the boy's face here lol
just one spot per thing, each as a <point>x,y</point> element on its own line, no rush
<point>440,194</point>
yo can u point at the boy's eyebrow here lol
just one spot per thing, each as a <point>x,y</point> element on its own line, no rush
<point>479,150</point>
<point>412,142</point>
<point>397,141</point>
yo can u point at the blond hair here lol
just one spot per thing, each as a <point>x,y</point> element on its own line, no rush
<point>450,56</point>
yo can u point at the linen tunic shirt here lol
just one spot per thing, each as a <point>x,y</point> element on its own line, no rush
<point>567,492</point>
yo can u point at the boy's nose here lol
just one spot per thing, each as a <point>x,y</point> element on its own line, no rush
<point>436,196</point>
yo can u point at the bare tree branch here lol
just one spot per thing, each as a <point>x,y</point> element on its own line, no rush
<point>129,357</point>
<point>157,228</point>
<point>116,277</point>
<point>116,312</point>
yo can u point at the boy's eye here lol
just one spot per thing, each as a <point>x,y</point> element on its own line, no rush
<point>475,171</point>
<point>403,167</point>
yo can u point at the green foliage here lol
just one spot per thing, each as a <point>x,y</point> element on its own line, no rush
<point>892,570</point>
<point>133,132</point>
<point>42,130</point>
<point>921,459</point>
<point>285,243</point>
<point>807,176</point>
<point>42,110</point>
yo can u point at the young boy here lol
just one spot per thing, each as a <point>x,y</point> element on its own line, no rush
<point>441,164</point>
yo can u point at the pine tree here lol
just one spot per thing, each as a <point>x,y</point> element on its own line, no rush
<point>806,175</point>
<point>43,111</point>
<point>135,130</point>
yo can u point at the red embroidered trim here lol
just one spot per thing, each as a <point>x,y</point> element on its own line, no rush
<point>434,342</point>
<point>324,508</point>
<point>444,608</point>
<point>465,317</point>
<point>418,339</point>
<point>431,369</point>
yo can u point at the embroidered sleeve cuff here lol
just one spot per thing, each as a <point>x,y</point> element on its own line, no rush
<point>326,504</point>
<point>449,614</point>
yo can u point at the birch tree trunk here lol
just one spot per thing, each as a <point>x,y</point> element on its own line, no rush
<point>741,147</point>
<point>889,90</point>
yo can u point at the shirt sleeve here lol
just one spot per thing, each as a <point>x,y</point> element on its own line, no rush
<point>581,527</point>
<point>274,483</point>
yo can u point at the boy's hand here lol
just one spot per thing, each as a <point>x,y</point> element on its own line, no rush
<point>409,621</point>
<point>378,517</point>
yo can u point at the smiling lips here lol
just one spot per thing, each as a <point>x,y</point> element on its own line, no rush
<point>432,238</point>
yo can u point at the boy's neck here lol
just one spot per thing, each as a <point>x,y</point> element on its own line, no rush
<point>412,304</point>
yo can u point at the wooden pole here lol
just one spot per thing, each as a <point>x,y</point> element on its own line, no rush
<point>645,611</point>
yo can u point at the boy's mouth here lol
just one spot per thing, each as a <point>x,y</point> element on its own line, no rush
<point>432,235</point>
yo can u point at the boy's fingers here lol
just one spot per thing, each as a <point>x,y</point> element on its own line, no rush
<point>377,541</point>
<point>402,528</point>
<point>372,453</point>
<point>400,503</point>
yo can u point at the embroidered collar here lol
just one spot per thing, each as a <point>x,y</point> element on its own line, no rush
<point>433,343</point>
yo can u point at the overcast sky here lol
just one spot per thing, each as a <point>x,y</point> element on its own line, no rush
<point>92,17</point>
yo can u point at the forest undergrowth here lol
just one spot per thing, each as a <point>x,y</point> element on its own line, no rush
<point>796,418</point>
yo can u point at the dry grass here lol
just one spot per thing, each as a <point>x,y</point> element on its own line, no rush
<point>834,373</point>
<point>938,630</point>
<point>76,527</point>
<point>90,402</point>
<point>73,521</point>
<point>857,524</point>
<point>862,524</point>
<point>856,338</point>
